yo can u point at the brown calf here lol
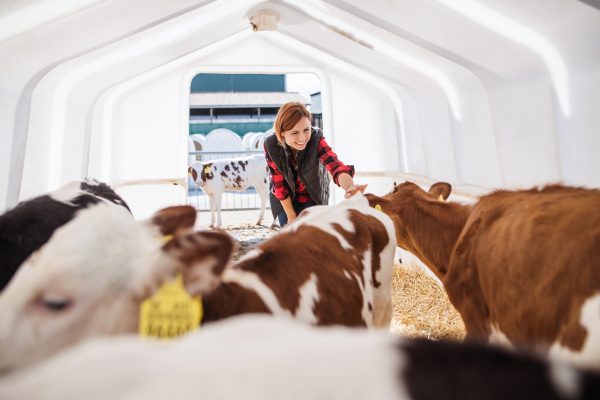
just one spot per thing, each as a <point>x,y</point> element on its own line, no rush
<point>518,265</point>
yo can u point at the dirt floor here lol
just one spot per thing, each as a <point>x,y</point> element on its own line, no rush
<point>421,306</point>
<point>241,225</point>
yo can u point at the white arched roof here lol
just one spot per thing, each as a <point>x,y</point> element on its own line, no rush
<point>222,140</point>
<point>495,93</point>
<point>256,140</point>
<point>198,138</point>
<point>250,140</point>
<point>247,138</point>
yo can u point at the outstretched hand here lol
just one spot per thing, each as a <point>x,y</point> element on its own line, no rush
<point>353,189</point>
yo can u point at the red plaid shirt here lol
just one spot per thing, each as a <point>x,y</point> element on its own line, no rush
<point>281,189</point>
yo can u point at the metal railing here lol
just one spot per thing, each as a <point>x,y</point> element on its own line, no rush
<point>247,199</point>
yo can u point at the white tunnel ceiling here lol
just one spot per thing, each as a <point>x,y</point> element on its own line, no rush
<point>491,93</point>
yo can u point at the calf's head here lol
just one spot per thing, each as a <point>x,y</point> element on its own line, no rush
<point>200,172</point>
<point>93,274</point>
<point>410,207</point>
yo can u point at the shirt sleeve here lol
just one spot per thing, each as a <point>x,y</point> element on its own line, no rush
<point>330,160</point>
<point>281,190</point>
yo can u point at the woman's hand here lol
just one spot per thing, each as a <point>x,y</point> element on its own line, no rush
<point>291,217</point>
<point>346,183</point>
<point>351,191</point>
<point>288,209</point>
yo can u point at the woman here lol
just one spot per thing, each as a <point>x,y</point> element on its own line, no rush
<point>299,160</point>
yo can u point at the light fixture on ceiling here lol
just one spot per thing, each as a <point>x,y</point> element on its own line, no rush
<point>264,20</point>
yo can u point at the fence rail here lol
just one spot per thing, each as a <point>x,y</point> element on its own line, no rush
<point>247,199</point>
<point>227,152</point>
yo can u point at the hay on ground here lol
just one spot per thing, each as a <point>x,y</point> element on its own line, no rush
<point>421,306</point>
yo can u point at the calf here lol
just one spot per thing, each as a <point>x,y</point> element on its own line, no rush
<point>265,358</point>
<point>92,276</point>
<point>30,224</point>
<point>331,266</point>
<point>232,174</point>
<point>521,267</point>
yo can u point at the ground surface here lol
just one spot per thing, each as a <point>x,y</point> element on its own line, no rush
<point>241,225</point>
<point>421,306</point>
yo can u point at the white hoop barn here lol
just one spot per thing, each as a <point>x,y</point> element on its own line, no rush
<point>495,93</point>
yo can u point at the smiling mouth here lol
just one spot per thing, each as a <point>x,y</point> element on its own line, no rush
<point>300,144</point>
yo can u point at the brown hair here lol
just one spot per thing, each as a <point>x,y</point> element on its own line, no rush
<point>288,116</point>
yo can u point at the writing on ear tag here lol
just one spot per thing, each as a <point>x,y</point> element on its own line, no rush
<point>378,207</point>
<point>207,170</point>
<point>171,312</point>
<point>441,198</point>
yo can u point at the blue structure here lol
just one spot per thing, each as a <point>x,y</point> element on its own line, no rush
<point>238,102</point>
<point>238,83</point>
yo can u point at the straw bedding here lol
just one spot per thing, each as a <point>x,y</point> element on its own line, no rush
<point>421,306</point>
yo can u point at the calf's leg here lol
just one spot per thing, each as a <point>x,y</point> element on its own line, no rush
<point>211,200</point>
<point>218,197</point>
<point>263,192</point>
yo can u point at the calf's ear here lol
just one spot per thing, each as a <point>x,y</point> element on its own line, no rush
<point>375,201</point>
<point>440,190</point>
<point>203,256</point>
<point>174,220</point>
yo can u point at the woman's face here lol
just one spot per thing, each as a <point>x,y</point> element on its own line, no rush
<point>299,135</point>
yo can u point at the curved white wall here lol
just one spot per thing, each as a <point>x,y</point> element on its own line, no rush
<point>495,93</point>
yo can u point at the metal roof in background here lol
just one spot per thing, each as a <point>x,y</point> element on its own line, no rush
<point>244,99</point>
<point>238,83</point>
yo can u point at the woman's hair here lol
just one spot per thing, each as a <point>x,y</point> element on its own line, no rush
<point>288,116</point>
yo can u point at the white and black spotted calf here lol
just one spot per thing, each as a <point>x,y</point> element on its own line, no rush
<point>235,174</point>
<point>30,224</point>
<point>264,358</point>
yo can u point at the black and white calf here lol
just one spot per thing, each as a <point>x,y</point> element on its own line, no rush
<point>257,357</point>
<point>235,174</point>
<point>30,224</point>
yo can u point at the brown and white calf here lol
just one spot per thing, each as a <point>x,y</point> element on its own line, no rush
<point>331,266</point>
<point>237,174</point>
<point>521,267</point>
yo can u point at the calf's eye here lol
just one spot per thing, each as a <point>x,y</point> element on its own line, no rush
<point>53,303</point>
<point>56,305</point>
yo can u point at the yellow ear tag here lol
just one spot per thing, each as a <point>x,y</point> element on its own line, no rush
<point>171,312</point>
<point>164,239</point>
<point>190,174</point>
<point>441,198</point>
<point>207,170</point>
<point>378,207</point>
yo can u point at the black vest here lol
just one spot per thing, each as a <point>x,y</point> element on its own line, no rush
<point>311,170</point>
